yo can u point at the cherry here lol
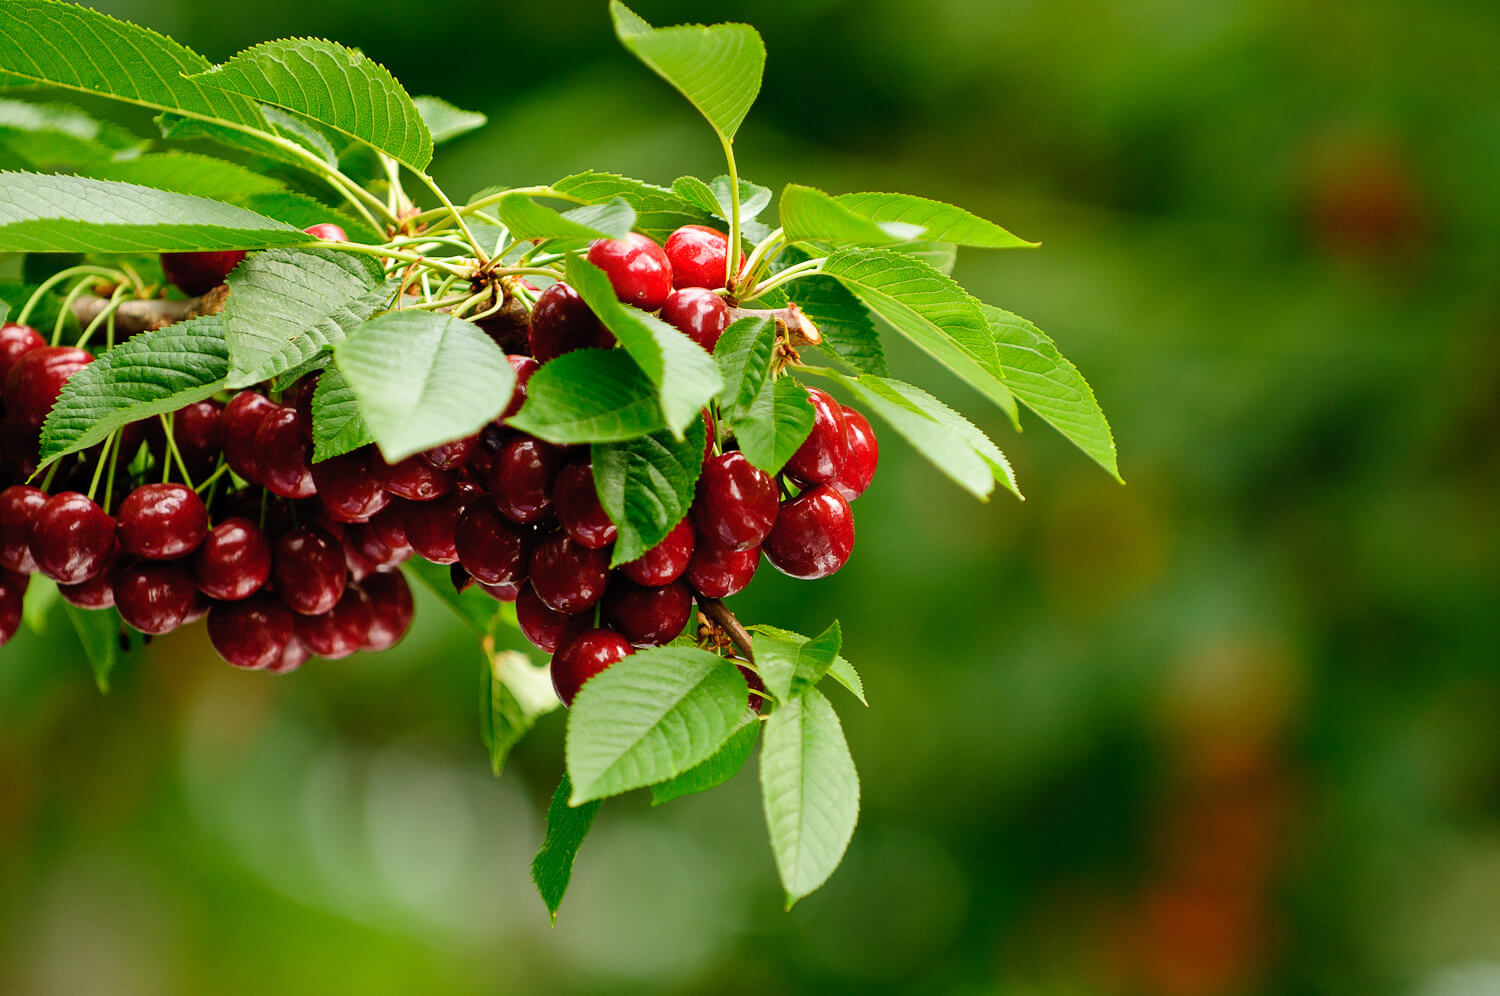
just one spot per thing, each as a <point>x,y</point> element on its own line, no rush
<point>413,478</point>
<point>451,456</point>
<point>37,378</point>
<point>341,630</point>
<point>699,255</point>
<point>666,561</point>
<point>718,572</point>
<point>648,616</point>
<point>524,366</point>
<point>735,506</point>
<point>307,567</point>
<point>197,431</point>
<point>238,425</point>
<point>71,538</point>
<point>820,458</point>
<point>389,528</point>
<point>348,488</point>
<point>234,561</point>
<point>98,592</point>
<point>18,447</point>
<point>284,454</point>
<point>578,509</point>
<point>431,526</point>
<point>521,478</point>
<point>568,577</point>
<point>326,231</point>
<point>757,687</point>
<point>155,598</point>
<point>814,534</point>
<point>561,323</point>
<point>502,592</point>
<point>544,627</point>
<point>697,313</point>
<point>292,657</point>
<point>15,342</point>
<point>251,634</point>
<point>583,656</point>
<point>637,268</point>
<point>196,273</point>
<point>12,603</point>
<point>390,610</point>
<point>490,548</point>
<point>364,540</point>
<point>162,521</point>
<point>18,507</point>
<point>861,455</point>
<point>300,397</point>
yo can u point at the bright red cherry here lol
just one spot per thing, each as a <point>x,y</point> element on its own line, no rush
<point>234,561</point>
<point>15,342</point>
<point>697,313</point>
<point>155,598</point>
<point>198,432</point>
<point>735,506</point>
<point>524,366</point>
<point>12,602</point>
<point>451,456</point>
<point>578,509</point>
<point>820,458</point>
<point>326,231</point>
<point>646,616</point>
<point>490,547</point>
<point>698,255</point>
<point>251,634</point>
<point>718,572</point>
<point>413,478</point>
<point>162,521</point>
<point>861,455</point>
<point>637,268</point>
<point>522,476</point>
<point>348,488</point>
<point>814,534</point>
<point>72,539</point>
<point>37,378</point>
<point>583,656</point>
<point>308,570</point>
<point>568,577</point>
<point>238,426</point>
<point>390,609</point>
<point>664,562</point>
<point>341,630</point>
<point>196,273</point>
<point>18,507</point>
<point>544,627</point>
<point>284,454</point>
<point>561,323</point>
<point>98,592</point>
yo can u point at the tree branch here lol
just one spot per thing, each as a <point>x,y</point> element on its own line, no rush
<point>725,620</point>
<point>799,328</point>
<point>143,316</point>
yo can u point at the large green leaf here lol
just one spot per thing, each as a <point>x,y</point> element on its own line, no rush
<point>810,791</point>
<point>938,222</point>
<point>849,332</point>
<point>589,396</point>
<point>744,358</point>
<point>189,173</point>
<point>446,122</point>
<point>338,426</point>
<point>840,670</point>
<point>335,86</point>
<point>777,422</point>
<point>51,136</point>
<point>513,695</point>
<point>149,374</point>
<point>651,717</point>
<point>423,379</point>
<point>790,665</point>
<point>717,68</point>
<point>721,766</point>
<point>658,211</point>
<point>810,215</point>
<point>646,486</point>
<point>714,197</point>
<point>101,634</point>
<point>567,825</point>
<point>527,219</point>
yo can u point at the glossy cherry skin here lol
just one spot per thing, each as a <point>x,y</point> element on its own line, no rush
<point>451,456</point>
<point>814,534</point>
<point>666,561</point>
<point>820,458</point>
<point>584,655</point>
<point>155,598</point>
<point>293,656</point>
<point>648,616</point>
<point>544,627</point>
<point>300,397</point>
<point>37,378</point>
<point>327,231</point>
<point>196,273</point>
<point>413,478</point>
<point>284,454</point>
<point>697,313</point>
<point>162,521</point>
<point>502,592</point>
<point>522,476</point>
<point>348,489</point>
<point>12,603</point>
<point>19,504</point>
<point>735,505</point>
<point>490,547</point>
<point>718,572</point>
<point>561,323</point>
<point>524,366</point>
<point>390,610</point>
<point>15,342</point>
<point>576,501</point>
<point>861,455</point>
<point>98,592</point>
<point>568,577</point>
<point>431,526</point>
<point>72,539</point>
<point>234,561</point>
<point>699,257</point>
<point>238,426</point>
<point>308,570</point>
<point>366,541</point>
<point>637,268</point>
<point>389,528</point>
<point>757,687</point>
<point>198,432</point>
<point>251,634</point>
<point>341,630</point>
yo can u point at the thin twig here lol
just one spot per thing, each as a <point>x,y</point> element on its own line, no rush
<point>725,620</point>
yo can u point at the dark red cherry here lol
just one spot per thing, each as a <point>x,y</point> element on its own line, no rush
<point>307,568</point>
<point>647,616</point>
<point>666,561</point>
<point>19,448</point>
<point>524,366</point>
<point>757,687</point>
<point>37,378</point>
<point>544,627</point>
<point>251,634</point>
<point>18,507</point>
<point>389,528</point>
<point>861,455</point>
<point>340,631</point>
<point>637,268</point>
<point>300,397</point>
<point>162,521</point>
<point>12,603</point>
<point>578,509</point>
<point>522,476</point>
<point>820,458</point>
<point>284,454</point>
<point>390,609</point>
<point>98,592</point>
<point>365,540</point>
<point>196,273</point>
<point>735,505</point>
<point>348,488</point>
<point>72,539</point>
<point>561,323</point>
<point>238,426</point>
<point>197,430</point>
<point>568,577</point>
<point>234,561</point>
<point>698,255</point>
<point>326,231</point>
<point>718,572</point>
<point>15,342</point>
<point>431,525</point>
<point>490,547</point>
<point>584,655</point>
<point>413,478</point>
<point>502,592</point>
<point>697,313</point>
<point>155,598</point>
<point>451,456</point>
<point>293,656</point>
<point>814,534</point>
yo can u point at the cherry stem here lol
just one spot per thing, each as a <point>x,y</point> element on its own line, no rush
<point>717,611</point>
<point>167,422</point>
<point>798,326</point>
<point>111,441</point>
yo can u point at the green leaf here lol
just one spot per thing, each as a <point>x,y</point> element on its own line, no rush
<point>791,665</point>
<point>651,717</point>
<point>810,215</point>
<point>334,86</point>
<point>527,219</point>
<point>41,598</point>
<point>303,132</point>
<point>567,825</point>
<point>149,374</point>
<point>646,486</point>
<point>938,222</point>
<point>810,791</point>
<point>589,396</point>
<point>42,212</point>
<point>1052,387</point>
<point>717,68</point>
<point>513,695</point>
<point>338,426</point>
<point>848,331</point>
<point>941,256</point>
<point>302,211</point>
<point>840,670</point>
<point>423,378</point>
<point>714,197</point>
<point>445,121</point>
<point>189,173</point>
<point>683,372</point>
<point>777,422</point>
<point>658,211</point>
<point>101,633</point>
<point>288,306</point>
<point>473,607</point>
<point>744,357</point>
<point>278,124</point>
<point>816,658</point>
<point>721,766</point>
<point>52,136</point>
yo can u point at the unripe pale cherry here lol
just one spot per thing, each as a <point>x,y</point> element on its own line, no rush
<point>820,458</point>
<point>813,536</point>
<point>736,502</point>
<point>637,268</point>
<point>697,313</point>
<point>162,521</point>
<point>584,655</point>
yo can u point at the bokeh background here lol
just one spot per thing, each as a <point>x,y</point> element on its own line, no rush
<point>1233,728</point>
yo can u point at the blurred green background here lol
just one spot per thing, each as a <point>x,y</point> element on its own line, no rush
<point>1231,729</point>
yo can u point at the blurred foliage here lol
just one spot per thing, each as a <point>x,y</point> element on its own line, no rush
<point>1230,729</point>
